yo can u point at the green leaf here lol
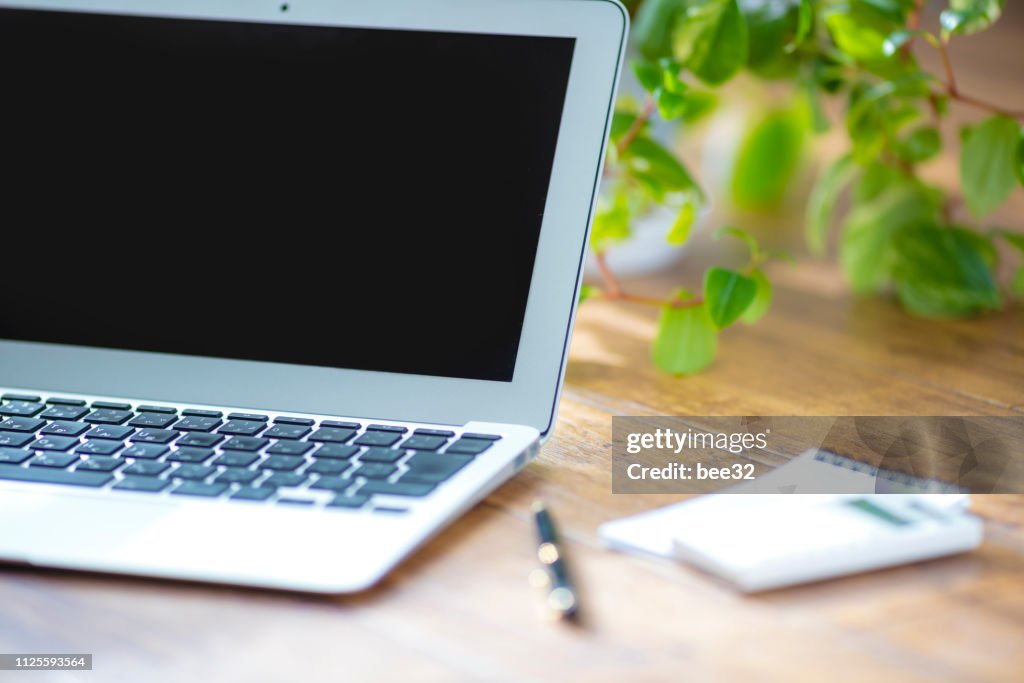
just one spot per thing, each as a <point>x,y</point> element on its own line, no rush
<point>1017,283</point>
<point>867,254</point>
<point>711,39</point>
<point>896,40</point>
<point>645,156</point>
<point>987,163</point>
<point>1014,239</point>
<point>727,295</point>
<point>585,292</point>
<point>611,221</point>
<point>768,158</point>
<point>739,233</point>
<point>861,27</point>
<point>1018,164</point>
<point>762,298</point>
<point>647,73</point>
<point>622,121</point>
<point>941,273</point>
<point>683,225</point>
<point>686,340</point>
<point>920,145</point>
<point>699,103</point>
<point>970,16</point>
<point>652,27</point>
<point>805,22</point>
<point>822,202</point>
<point>670,105</point>
<point>876,179</point>
<point>771,27</point>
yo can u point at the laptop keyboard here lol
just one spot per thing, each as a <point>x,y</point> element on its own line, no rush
<point>151,449</point>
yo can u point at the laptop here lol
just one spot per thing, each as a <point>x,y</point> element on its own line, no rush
<point>287,286</point>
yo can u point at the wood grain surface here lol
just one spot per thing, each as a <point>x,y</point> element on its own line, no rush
<point>460,609</point>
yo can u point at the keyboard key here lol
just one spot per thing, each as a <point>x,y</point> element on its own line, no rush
<point>387,428</point>
<point>378,439</point>
<point>429,468</point>
<point>195,412</point>
<point>353,502</point>
<point>108,416</point>
<point>422,442</point>
<point>340,424</point>
<point>158,420</point>
<point>469,446</point>
<point>21,397</point>
<point>200,440</point>
<point>379,454</point>
<point>142,484</point>
<point>99,463</point>
<point>301,421</point>
<point>146,468</point>
<point>44,475</point>
<point>327,466</point>
<point>158,409</point>
<point>244,443</point>
<point>63,413</point>
<point>53,443</point>
<point>189,454</point>
<point>485,437</point>
<point>285,479</point>
<point>65,428</point>
<point>190,471</point>
<point>99,447</point>
<point>196,488</point>
<point>252,493</point>
<point>338,484</point>
<point>292,500</point>
<point>109,405</point>
<point>375,470</point>
<point>289,448</point>
<point>435,432</point>
<point>236,459</point>
<point>59,401</point>
<point>13,456</point>
<point>248,416</point>
<point>59,460</point>
<point>151,435</point>
<point>21,424</point>
<point>15,439</point>
<point>197,424</point>
<point>21,408</point>
<point>242,427</point>
<point>396,489</point>
<point>112,432</point>
<point>236,475</point>
<point>145,451</point>
<point>286,431</point>
<point>334,450</point>
<point>332,434</point>
<point>282,463</point>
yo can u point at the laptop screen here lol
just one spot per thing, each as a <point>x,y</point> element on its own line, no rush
<point>341,197</point>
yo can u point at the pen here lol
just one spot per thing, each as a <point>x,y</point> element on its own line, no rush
<point>561,595</point>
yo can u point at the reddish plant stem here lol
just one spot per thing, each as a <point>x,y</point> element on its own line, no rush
<point>614,292</point>
<point>638,125</point>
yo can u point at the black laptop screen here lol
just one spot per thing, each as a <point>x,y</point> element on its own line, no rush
<point>340,197</point>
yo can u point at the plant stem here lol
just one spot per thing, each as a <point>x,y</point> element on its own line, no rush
<point>614,292</point>
<point>638,125</point>
<point>953,90</point>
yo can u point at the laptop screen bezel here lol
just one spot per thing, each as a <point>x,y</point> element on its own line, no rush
<point>530,398</point>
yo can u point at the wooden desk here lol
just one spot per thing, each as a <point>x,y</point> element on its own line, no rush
<point>461,609</point>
